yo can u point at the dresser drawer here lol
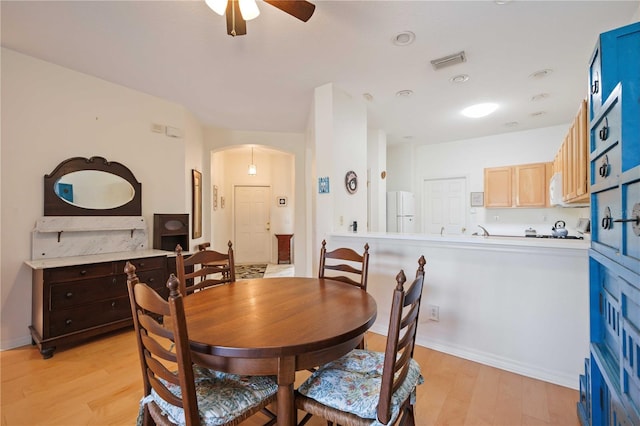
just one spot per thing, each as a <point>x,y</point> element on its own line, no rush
<point>606,127</point>
<point>90,315</point>
<point>79,272</point>
<point>631,228</point>
<point>630,298</point>
<point>73,293</point>
<point>143,264</point>
<point>595,82</point>
<point>605,209</point>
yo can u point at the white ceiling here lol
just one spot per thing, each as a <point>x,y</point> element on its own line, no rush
<point>264,81</point>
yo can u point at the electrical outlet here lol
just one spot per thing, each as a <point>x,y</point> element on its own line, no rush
<point>496,218</point>
<point>434,312</point>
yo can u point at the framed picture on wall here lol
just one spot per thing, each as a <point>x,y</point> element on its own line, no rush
<point>196,206</point>
<point>477,199</point>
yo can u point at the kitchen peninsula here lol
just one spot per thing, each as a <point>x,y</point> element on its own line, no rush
<point>496,299</point>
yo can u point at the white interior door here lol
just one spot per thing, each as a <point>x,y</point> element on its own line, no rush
<point>252,224</point>
<point>444,202</point>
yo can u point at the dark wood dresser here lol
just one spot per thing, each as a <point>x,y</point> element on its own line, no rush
<point>85,296</point>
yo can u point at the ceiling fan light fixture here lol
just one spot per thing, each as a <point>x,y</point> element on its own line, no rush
<point>218,6</point>
<point>249,9</point>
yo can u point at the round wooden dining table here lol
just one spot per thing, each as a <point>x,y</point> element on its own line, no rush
<point>277,326</point>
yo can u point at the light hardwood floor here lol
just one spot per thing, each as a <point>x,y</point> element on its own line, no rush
<point>99,383</point>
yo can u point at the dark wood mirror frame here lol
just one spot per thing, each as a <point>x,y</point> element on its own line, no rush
<point>55,206</point>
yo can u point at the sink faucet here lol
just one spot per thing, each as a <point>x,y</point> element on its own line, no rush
<point>485,233</point>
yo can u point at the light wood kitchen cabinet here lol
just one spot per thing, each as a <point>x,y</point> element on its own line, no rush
<point>572,160</point>
<point>532,184</point>
<point>498,187</point>
<point>524,185</point>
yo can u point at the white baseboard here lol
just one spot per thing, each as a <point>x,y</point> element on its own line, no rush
<point>15,343</point>
<point>492,360</point>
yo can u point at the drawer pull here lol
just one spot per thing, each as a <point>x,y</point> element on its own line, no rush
<point>604,131</point>
<point>607,220</point>
<point>83,272</point>
<point>151,280</point>
<point>603,171</point>
<point>113,280</point>
<point>68,322</point>
<point>142,264</point>
<point>635,219</point>
<point>69,295</point>
<point>595,86</point>
<point>113,304</point>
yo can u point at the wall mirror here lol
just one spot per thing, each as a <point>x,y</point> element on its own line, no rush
<point>92,187</point>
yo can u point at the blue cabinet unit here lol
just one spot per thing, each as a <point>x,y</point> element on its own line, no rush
<point>610,387</point>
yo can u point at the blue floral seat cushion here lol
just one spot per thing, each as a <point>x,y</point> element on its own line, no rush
<point>352,384</point>
<point>221,396</point>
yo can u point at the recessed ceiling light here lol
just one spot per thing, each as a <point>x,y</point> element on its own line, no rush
<point>538,113</point>
<point>460,78</point>
<point>404,38</point>
<point>407,137</point>
<point>541,73</point>
<point>479,110</point>
<point>539,97</point>
<point>404,93</point>
<point>368,96</point>
<point>511,124</point>
<point>501,2</point>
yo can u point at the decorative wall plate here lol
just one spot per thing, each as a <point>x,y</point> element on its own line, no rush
<point>351,182</point>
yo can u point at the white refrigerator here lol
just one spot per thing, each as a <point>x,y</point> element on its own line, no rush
<point>400,212</point>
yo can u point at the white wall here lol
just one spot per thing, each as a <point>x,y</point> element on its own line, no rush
<point>49,114</point>
<point>377,185</point>
<point>339,146</point>
<point>468,158</point>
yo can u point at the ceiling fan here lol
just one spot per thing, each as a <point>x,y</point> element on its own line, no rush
<point>238,12</point>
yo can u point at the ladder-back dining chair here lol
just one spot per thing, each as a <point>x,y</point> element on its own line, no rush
<point>345,264</point>
<point>210,268</point>
<point>177,392</point>
<point>372,388</point>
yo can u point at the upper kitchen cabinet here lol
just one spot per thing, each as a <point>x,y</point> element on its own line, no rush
<point>572,159</point>
<point>524,185</point>
<point>498,187</point>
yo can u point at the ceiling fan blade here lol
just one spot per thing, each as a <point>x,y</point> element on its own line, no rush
<point>236,25</point>
<point>300,9</point>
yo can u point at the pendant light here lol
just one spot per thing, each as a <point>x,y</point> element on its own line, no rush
<point>252,167</point>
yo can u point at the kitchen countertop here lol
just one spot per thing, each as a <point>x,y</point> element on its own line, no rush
<point>472,241</point>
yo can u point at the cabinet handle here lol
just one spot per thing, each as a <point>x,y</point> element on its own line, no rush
<point>113,304</point>
<point>607,220</point>
<point>604,131</point>
<point>595,86</point>
<point>68,322</point>
<point>141,264</point>
<point>69,295</point>
<point>151,280</point>
<point>634,219</point>
<point>83,272</point>
<point>603,171</point>
<point>113,280</point>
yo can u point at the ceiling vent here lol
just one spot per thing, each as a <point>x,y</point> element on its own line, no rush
<point>447,61</point>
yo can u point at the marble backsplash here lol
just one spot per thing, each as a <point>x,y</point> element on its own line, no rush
<point>64,236</point>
